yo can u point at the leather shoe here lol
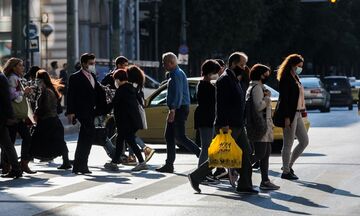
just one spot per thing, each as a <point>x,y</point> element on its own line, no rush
<point>165,169</point>
<point>13,174</point>
<point>194,184</point>
<point>289,176</point>
<point>82,171</point>
<point>65,166</point>
<point>249,191</point>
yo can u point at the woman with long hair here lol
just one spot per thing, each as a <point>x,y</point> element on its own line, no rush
<point>48,136</point>
<point>288,113</point>
<point>14,71</point>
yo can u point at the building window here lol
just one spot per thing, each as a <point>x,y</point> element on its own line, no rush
<point>5,8</point>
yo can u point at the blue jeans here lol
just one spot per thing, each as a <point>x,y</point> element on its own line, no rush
<point>206,136</point>
<point>176,131</point>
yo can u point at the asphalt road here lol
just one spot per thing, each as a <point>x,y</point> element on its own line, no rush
<point>328,185</point>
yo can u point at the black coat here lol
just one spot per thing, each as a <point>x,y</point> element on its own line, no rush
<point>109,80</point>
<point>82,99</point>
<point>230,101</point>
<point>126,110</point>
<point>288,100</point>
<point>204,115</point>
<point>6,111</point>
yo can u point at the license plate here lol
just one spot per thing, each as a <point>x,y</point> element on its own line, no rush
<point>335,92</point>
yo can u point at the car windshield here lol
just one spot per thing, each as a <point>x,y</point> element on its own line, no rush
<point>310,83</point>
<point>274,93</point>
<point>355,84</point>
<point>336,82</point>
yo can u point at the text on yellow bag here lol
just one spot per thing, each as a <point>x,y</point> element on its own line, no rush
<point>224,152</point>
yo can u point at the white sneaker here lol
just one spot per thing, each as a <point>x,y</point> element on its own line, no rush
<point>140,166</point>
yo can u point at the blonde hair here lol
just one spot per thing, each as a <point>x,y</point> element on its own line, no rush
<point>289,62</point>
<point>10,64</point>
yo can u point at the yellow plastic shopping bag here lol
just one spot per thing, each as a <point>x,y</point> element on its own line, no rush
<point>224,152</point>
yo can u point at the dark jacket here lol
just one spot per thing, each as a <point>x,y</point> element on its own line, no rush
<point>230,101</point>
<point>288,100</point>
<point>47,104</point>
<point>126,111</point>
<point>6,111</point>
<point>82,99</point>
<point>204,115</point>
<point>109,80</point>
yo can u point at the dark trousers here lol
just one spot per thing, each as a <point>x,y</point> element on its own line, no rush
<point>86,136</point>
<point>7,147</point>
<point>262,152</point>
<point>176,131</point>
<point>24,132</point>
<point>128,136</point>
<point>245,172</point>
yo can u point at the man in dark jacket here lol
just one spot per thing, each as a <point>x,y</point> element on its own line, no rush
<point>6,116</point>
<point>84,98</point>
<point>121,62</point>
<point>230,111</point>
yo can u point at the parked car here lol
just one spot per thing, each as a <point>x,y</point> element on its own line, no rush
<point>355,88</point>
<point>340,91</point>
<point>157,110</point>
<point>316,96</point>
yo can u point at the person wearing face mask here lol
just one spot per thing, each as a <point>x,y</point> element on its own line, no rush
<point>85,99</point>
<point>204,115</point>
<point>288,112</point>
<point>121,62</point>
<point>127,118</point>
<point>230,107</point>
<point>261,102</point>
<point>14,71</point>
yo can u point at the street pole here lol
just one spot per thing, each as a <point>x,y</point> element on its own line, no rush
<point>110,33</point>
<point>70,36</point>
<point>156,30</point>
<point>16,29</point>
<point>116,28</point>
<point>137,30</point>
<point>183,22</point>
<point>47,53</point>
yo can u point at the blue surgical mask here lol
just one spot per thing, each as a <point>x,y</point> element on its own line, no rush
<point>298,70</point>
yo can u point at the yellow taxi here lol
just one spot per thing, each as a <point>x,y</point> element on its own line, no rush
<point>157,110</point>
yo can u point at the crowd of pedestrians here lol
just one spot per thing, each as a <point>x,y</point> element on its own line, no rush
<point>227,95</point>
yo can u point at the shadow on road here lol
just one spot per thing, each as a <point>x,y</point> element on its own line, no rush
<point>262,201</point>
<point>326,188</point>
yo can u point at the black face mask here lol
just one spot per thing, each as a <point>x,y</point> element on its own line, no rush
<point>238,71</point>
<point>265,79</point>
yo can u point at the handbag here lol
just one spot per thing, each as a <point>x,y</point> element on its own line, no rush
<point>100,136</point>
<point>224,152</point>
<point>256,125</point>
<point>143,116</point>
<point>20,109</point>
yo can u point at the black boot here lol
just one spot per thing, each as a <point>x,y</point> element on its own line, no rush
<point>66,162</point>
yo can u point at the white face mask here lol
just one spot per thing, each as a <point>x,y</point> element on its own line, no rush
<point>214,76</point>
<point>298,70</point>
<point>92,69</point>
<point>135,85</point>
<point>117,83</point>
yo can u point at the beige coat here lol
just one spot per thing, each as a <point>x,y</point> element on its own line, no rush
<point>262,102</point>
